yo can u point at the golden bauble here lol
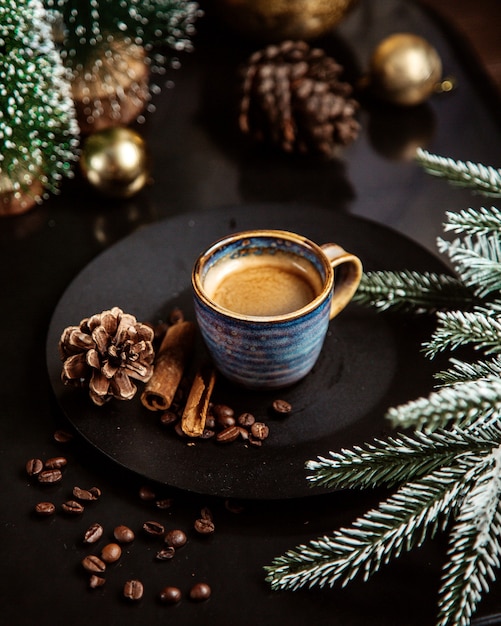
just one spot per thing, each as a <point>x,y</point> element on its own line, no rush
<point>112,88</point>
<point>115,161</point>
<point>404,69</point>
<point>275,20</point>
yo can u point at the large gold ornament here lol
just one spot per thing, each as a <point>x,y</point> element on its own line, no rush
<point>404,69</point>
<point>275,20</point>
<point>112,88</point>
<point>115,161</point>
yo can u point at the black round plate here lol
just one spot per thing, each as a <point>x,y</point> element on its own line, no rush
<point>369,362</point>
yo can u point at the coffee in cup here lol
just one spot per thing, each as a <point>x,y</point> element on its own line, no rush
<point>263,301</point>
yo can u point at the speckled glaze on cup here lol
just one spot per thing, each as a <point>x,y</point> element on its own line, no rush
<point>266,352</point>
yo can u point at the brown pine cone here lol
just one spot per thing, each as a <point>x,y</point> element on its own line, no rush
<point>106,351</point>
<point>292,96</point>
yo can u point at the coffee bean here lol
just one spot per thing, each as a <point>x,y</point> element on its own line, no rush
<point>175,538</point>
<point>210,422</point>
<point>133,590</point>
<point>123,534</point>
<point>260,431</point>
<point>93,533</point>
<point>168,418</point>
<point>225,415</point>
<point>84,494</point>
<point>34,467</point>
<point>56,462</point>
<point>93,564</point>
<point>45,508</point>
<point>176,316</point>
<point>204,526</point>
<point>111,552</point>
<point>166,553</point>
<point>72,507</point>
<point>282,407</point>
<point>170,595</point>
<point>147,494</point>
<point>179,430</point>
<point>228,434</point>
<point>200,592</point>
<point>49,476</point>
<point>96,581</point>
<point>62,436</point>
<point>96,492</point>
<point>153,528</point>
<point>246,420</point>
<point>256,443</point>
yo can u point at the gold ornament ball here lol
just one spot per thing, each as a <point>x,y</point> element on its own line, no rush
<point>405,69</point>
<point>115,161</point>
<point>275,20</point>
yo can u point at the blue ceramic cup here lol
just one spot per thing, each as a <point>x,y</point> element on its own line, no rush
<point>263,301</point>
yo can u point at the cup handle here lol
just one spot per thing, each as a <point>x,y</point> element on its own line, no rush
<point>348,278</point>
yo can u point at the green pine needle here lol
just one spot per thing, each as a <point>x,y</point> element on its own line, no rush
<point>392,461</point>
<point>403,521</point>
<point>411,291</point>
<point>485,180</point>
<point>461,371</point>
<point>458,328</point>
<point>473,401</point>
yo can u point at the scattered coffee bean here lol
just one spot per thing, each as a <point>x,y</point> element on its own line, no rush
<point>72,507</point>
<point>260,430</point>
<point>96,581</point>
<point>84,494</point>
<point>175,538</point>
<point>50,476</point>
<point>111,552</point>
<point>170,595</point>
<point>225,415</point>
<point>228,435</point>
<point>56,462</point>
<point>93,564</point>
<point>93,533</point>
<point>210,422</point>
<point>96,492</point>
<point>123,534</point>
<point>282,407</point>
<point>45,508</point>
<point>34,467</point>
<point>166,553</point>
<point>246,420</point>
<point>168,418</point>
<point>133,590</point>
<point>200,592</point>
<point>153,528</point>
<point>244,433</point>
<point>62,436</point>
<point>204,526</point>
<point>146,493</point>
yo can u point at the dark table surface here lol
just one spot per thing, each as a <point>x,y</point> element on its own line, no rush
<point>200,165</point>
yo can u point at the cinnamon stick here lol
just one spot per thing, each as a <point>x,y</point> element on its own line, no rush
<point>197,404</point>
<point>172,358</point>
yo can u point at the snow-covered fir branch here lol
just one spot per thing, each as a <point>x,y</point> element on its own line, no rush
<point>484,179</point>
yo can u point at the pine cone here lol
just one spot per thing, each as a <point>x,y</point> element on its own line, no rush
<point>292,97</point>
<point>106,351</point>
